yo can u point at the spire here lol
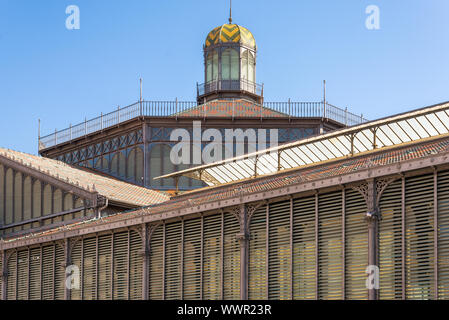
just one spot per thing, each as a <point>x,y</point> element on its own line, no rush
<point>230,12</point>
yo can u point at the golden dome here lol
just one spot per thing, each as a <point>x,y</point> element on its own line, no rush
<point>231,33</point>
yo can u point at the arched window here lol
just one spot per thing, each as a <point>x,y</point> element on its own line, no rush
<point>160,164</point>
<point>47,200</point>
<point>248,66</point>
<point>18,197</point>
<point>212,66</point>
<point>27,186</point>
<point>37,199</point>
<point>105,164</point>
<point>57,201</point>
<point>118,165</point>
<point>230,64</point>
<point>68,202</point>
<point>135,165</point>
<point>9,197</point>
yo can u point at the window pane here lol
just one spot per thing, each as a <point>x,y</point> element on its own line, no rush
<point>155,165</point>
<point>245,65</point>
<point>215,66</point>
<point>225,65</point>
<point>234,65</point>
<point>209,68</point>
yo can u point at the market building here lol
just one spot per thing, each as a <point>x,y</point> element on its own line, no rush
<point>303,219</point>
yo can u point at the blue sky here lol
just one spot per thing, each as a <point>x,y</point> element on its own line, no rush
<point>62,76</point>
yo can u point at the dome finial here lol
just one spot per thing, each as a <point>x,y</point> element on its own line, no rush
<point>230,12</point>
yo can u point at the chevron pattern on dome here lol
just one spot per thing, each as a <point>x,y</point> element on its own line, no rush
<point>230,33</point>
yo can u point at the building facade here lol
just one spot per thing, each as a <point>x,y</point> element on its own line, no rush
<point>337,212</point>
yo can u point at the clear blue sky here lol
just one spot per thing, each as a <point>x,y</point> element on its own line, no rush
<point>62,76</point>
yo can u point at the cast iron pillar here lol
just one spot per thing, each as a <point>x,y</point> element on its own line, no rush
<point>372,218</point>
<point>146,258</point>
<point>243,237</point>
<point>68,262</point>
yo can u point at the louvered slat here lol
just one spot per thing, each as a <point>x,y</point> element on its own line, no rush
<point>279,273</point>
<point>304,265</point>
<point>419,199</point>
<point>443,235</point>
<point>135,266</point>
<point>104,267</point>
<point>330,246</point>
<point>173,263</point>
<point>35,274</point>
<point>192,259</point>
<point>48,267</point>
<point>356,246</point>
<point>390,247</point>
<point>22,275</point>
<point>120,266</point>
<point>11,290</point>
<point>257,289</point>
<point>77,261</point>
<point>156,264</point>
<point>89,268</point>
<point>212,257</point>
<point>231,271</point>
<point>60,276</point>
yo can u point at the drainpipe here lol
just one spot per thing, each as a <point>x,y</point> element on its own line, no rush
<point>102,208</point>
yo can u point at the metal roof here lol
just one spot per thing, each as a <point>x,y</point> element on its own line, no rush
<point>113,189</point>
<point>391,131</point>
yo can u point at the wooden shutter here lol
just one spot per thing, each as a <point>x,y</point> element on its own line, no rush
<point>60,276</point>
<point>330,246</point>
<point>231,263</point>
<point>356,246</point>
<point>212,269</point>
<point>22,275</point>
<point>48,269</point>
<point>279,254</point>
<point>156,265</point>
<point>192,259</point>
<point>304,259</point>
<point>11,290</point>
<point>419,239</point>
<point>258,256</point>
<point>390,247</point>
<point>105,267</point>
<point>173,263</point>
<point>89,268</point>
<point>120,266</point>
<point>443,235</point>
<point>135,266</point>
<point>35,274</point>
<point>76,256</point>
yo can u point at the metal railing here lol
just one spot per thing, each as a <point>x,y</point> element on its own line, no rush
<point>230,85</point>
<point>230,108</point>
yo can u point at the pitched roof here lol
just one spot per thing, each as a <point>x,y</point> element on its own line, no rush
<point>113,189</point>
<point>237,108</point>
<point>268,183</point>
